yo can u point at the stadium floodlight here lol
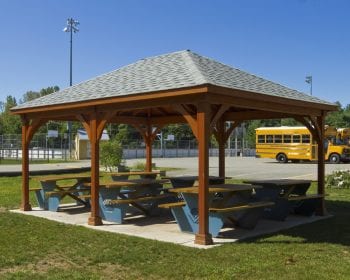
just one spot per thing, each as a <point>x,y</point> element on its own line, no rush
<point>71,28</point>
<point>308,79</point>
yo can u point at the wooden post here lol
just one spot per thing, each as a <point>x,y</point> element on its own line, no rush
<point>25,205</point>
<point>94,218</point>
<point>203,236</point>
<point>148,141</point>
<point>221,141</point>
<point>321,165</point>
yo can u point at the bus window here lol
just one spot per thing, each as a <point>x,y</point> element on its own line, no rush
<point>296,138</point>
<point>278,138</point>
<point>287,138</point>
<point>305,138</point>
<point>261,138</point>
<point>269,138</point>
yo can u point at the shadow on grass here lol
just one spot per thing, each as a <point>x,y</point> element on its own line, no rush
<point>335,230</point>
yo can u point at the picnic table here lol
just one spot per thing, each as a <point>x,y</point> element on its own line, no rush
<point>289,197</point>
<point>53,190</point>
<point>116,198</point>
<point>143,174</point>
<point>232,203</point>
<point>188,181</point>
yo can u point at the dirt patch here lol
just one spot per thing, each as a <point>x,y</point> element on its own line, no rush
<point>102,270</point>
<point>42,266</point>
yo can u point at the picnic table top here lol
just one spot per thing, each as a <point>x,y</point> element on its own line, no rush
<point>61,177</point>
<point>130,183</point>
<point>135,173</point>
<point>278,182</point>
<point>193,177</point>
<point>216,188</point>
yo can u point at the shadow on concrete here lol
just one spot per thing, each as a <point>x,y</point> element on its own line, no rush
<point>335,230</point>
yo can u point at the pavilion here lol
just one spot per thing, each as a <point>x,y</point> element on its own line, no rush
<point>179,87</point>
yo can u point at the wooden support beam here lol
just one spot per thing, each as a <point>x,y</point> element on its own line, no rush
<point>320,122</point>
<point>188,117</point>
<point>203,236</point>
<point>148,141</point>
<point>86,123</point>
<point>310,125</point>
<point>28,130</point>
<point>222,134</point>
<point>94,219</point>
<point>148,133</point>
<point>254,115</point>
<point>218,114</point>
<point>25,205</point>
<point>220,137</point>
<point>94,123</point>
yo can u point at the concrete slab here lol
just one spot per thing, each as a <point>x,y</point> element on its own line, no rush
<point>164,228</point>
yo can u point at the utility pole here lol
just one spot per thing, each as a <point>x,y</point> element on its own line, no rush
<point>71,28</point>
<point>308,79</point>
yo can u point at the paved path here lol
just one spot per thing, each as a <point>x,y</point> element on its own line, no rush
<point>45,168</point>
<point>236,167</point>
<point>247,167</point>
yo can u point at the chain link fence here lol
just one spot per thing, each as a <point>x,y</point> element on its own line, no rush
<point>43,147</point>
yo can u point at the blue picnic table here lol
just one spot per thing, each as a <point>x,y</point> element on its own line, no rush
<point>227,203</point>
<point>117,198</point>
<point>290,196</point>
<point>53,190</point>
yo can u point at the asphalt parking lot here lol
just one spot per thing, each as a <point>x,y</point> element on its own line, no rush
<point>236,167</point>
<point>247,167</point>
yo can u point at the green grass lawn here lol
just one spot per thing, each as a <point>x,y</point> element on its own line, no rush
<point>35,248</point>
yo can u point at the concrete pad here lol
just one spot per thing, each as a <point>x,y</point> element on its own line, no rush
<point>164,228</point>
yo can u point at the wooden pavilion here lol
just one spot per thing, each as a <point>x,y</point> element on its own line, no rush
<point>179,87</point>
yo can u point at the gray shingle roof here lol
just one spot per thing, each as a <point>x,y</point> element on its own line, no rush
<point>169,71</point>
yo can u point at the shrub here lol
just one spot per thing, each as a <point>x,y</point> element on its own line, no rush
<point>111,154</point>
<point>139,166</point>
<point>338,179</point>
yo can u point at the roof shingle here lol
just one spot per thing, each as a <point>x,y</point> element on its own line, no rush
<point>164,72</point>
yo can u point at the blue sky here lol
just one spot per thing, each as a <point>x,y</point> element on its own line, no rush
<point>280,40</point>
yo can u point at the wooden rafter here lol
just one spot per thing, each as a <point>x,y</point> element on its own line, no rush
<point>188,117</point>
<point>85,123</point>
<point>218,114</point>
<point>310,124</point>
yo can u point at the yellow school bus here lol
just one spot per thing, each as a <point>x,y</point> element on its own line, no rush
<point>343,136</point>
<point>296,143</point>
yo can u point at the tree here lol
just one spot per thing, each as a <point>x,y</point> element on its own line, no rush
<point>111,154</point>
<point>31,95</point>
<point>10,124</point>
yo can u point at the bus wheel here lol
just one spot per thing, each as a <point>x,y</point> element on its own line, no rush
<point>282,158</point>
<point>334,158</point>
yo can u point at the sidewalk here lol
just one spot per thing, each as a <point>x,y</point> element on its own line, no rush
<point>46,168</point>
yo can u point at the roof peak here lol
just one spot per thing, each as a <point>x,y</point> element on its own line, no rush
<point>174,70</point>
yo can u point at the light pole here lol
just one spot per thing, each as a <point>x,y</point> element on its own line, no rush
<point>70,28</point>
<point>308,79</point>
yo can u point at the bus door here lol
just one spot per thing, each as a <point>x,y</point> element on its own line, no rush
<point>314,152</point>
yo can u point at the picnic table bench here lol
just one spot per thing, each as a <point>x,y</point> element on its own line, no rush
<point>116,198</point>
<point>143,174</point>
<point>290,196</point>
<point>227,203</point>
<point>51,192</point>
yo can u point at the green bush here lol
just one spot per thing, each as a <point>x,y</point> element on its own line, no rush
<point>139,166</point>
<point>111,154</point>
<point>338,179</point>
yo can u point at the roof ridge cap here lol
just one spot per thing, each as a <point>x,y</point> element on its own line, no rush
<point>193,65</point>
